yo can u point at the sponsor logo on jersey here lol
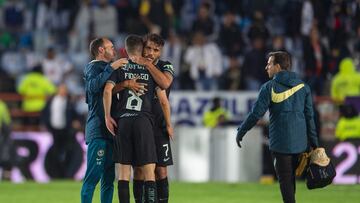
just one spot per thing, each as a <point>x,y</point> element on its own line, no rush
<point>131,66</point>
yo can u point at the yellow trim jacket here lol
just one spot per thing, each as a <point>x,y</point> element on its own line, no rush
<point>289,101</point>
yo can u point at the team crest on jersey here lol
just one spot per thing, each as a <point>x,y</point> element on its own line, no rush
<point>100,153</point>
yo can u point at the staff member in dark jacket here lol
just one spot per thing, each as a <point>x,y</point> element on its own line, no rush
<point>99,140</point>
<point>60,119</point>
<point>291,119</point>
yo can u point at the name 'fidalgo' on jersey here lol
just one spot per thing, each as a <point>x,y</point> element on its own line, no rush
<point>126,103</point>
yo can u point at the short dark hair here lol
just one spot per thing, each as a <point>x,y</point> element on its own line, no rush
<point>282,58</point>
<point>133,43</point>
<point>95,44</point>
<point>157,39</point>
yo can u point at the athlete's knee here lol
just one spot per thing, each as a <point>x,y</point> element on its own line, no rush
<point>124,172</point>
<point>149,172</point>
<point>161,172</point>
<point>138,174</point>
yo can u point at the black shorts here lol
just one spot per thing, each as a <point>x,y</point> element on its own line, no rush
<point>134,143</point>
<point>163,147</point>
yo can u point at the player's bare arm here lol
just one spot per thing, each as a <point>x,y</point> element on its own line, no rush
<point>165,106</point>
<point>163,79</point>
<point>137,87</point>
<point>107,96</point>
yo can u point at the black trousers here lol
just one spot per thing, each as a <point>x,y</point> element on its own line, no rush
<point>285,166</point>
<point>63,156</point>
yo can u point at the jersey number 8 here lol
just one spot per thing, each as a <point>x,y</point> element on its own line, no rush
<point>133,102</point>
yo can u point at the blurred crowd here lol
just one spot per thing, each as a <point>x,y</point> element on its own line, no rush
<point>213,44</point>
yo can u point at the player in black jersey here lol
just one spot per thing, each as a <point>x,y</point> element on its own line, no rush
<point>163,130</point>
<point>134,139</point>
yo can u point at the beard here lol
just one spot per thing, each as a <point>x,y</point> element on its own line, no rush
<point>109,55</point>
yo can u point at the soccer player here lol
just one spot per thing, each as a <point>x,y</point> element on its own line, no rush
<point>291,119</point>
<point>153,44</point>
<point>134,139</point>
<point>163,130</point>
<point>99,140</point>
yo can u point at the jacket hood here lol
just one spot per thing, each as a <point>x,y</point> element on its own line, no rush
<point>287,78</point>
<point>347,66</point>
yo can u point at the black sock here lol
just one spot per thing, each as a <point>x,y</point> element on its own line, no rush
<point>123,191</point>
<point>163,190</point>
<point>137,190</point>
<point>150,193</point>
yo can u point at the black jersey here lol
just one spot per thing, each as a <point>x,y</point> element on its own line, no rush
<point>126,103</point>
<point>163,66</point>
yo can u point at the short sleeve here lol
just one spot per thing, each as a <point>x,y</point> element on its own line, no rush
<point>116,77</point>
<point>167,67</point>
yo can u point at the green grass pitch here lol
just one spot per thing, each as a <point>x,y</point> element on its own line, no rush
<point>180,192</point>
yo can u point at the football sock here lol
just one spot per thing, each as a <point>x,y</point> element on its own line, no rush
<point>163,190</point>
<point>137,190</point>
<point>150,193</point>
<point>123,191</point>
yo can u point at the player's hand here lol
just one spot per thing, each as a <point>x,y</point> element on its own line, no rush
<point>119,63</point>
<point>170,131</point>
<point>110,124</point>
<point>141,60</point>
<point>137,87</point>
<point>238,138</point>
